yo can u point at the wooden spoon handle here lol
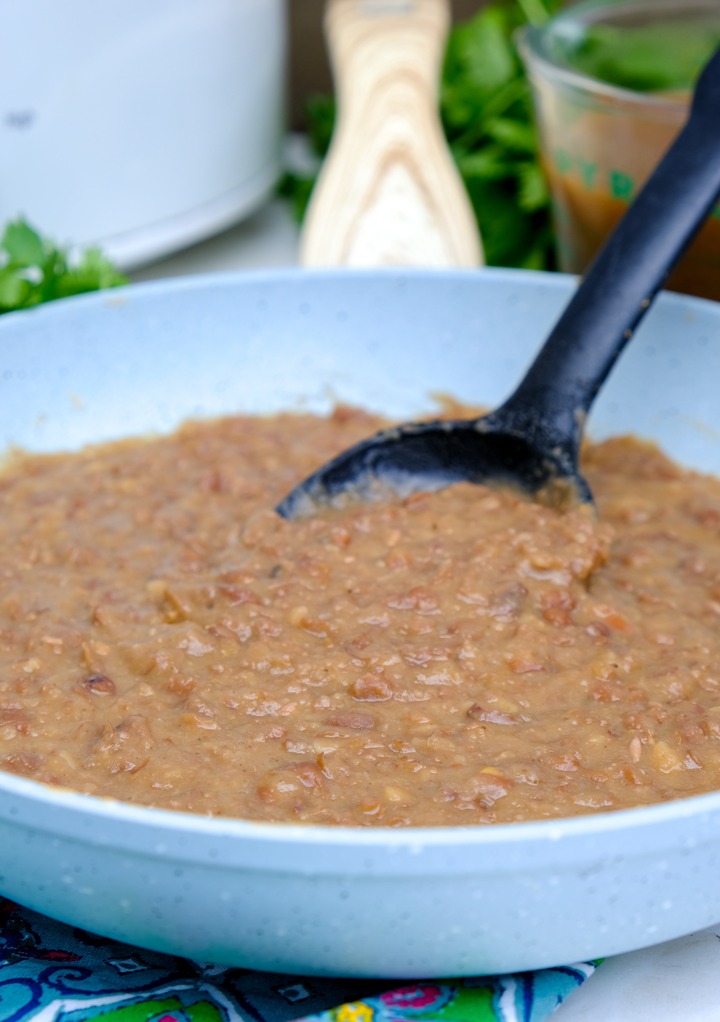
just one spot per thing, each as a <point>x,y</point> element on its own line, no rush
<point>389,192</point>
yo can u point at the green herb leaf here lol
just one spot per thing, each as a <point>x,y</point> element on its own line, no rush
<point>321,122</point>
<point>297,188</point>
<point>34,270</point>
<point>480,54</point>
<point>14,290</point>
<point>93,273</point>
<point>514,134</point>
<point>533,191</point>
<point>22,244</point>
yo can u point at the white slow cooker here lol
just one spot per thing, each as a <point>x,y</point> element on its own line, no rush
<point>142,126</point>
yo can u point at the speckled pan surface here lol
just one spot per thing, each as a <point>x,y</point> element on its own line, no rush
<point>306,900</point>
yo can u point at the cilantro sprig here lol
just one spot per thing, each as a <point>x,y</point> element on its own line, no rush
<point>33,269</point>
<point>487,115</point>
<point>487,112</point>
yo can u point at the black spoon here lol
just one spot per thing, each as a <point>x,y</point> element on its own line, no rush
<point>532,441</point>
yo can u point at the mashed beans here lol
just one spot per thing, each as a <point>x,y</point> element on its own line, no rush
<point>464,657</point>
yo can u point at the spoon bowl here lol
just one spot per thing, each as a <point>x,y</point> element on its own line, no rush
<point>532,441</point>
<point>427,456</point>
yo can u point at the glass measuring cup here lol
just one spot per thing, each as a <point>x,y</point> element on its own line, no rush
<point>600,139</point>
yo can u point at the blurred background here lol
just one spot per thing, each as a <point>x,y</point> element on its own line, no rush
<point>186,135</point>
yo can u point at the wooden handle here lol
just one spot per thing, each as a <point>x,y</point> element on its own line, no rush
<point>389,192</point>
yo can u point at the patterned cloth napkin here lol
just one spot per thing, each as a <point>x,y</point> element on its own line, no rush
<point>50,972</point>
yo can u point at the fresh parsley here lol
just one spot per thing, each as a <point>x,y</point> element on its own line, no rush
<point>487,114</point>
<point>34,269</point>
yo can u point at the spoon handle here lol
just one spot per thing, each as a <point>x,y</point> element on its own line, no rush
<point>389,192</point>
<point>592,331</point>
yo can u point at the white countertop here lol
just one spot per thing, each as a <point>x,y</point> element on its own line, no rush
<point>268,238</point>
<point>674,982</point>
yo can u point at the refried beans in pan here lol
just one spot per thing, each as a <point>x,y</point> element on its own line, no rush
<point>462,657</point>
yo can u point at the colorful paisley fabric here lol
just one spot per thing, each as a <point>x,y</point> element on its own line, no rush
<point>50,972</point>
